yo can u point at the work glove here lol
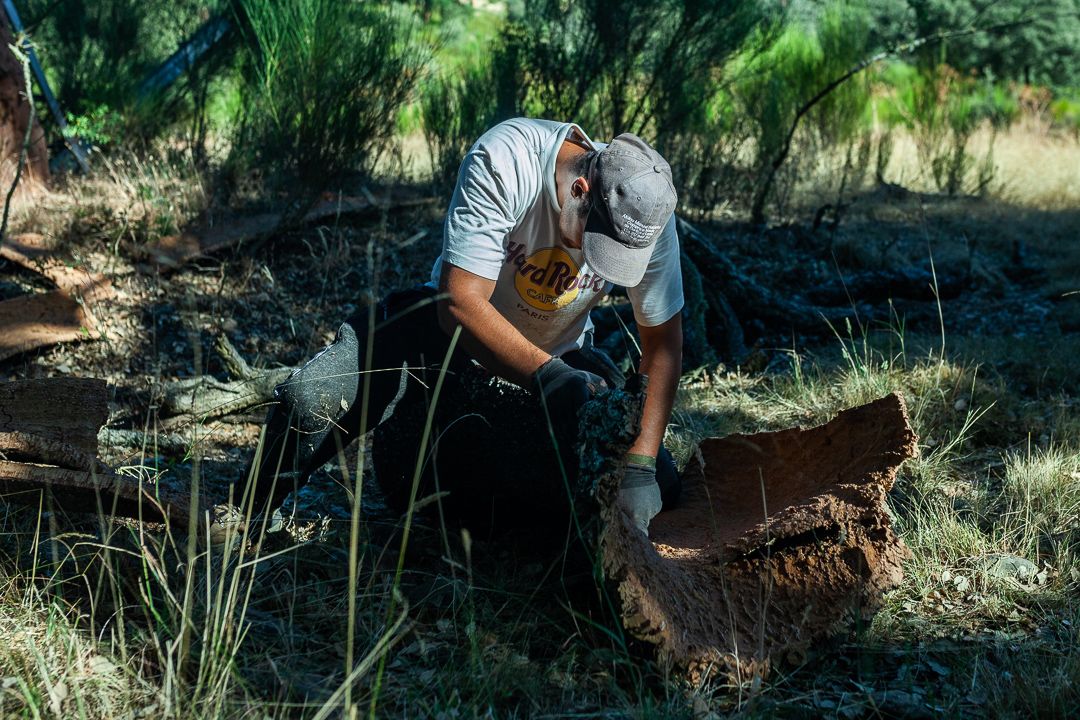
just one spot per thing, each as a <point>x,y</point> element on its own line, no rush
<point>565,389</point>
<point>639,494</point>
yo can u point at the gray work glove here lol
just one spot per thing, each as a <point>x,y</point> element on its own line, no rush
<point>639,494</point>
<point>565,389</point>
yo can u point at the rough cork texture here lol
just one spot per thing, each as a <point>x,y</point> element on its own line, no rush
<point>780,539</point>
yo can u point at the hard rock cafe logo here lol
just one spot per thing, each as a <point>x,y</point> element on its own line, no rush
<point>549,279</point>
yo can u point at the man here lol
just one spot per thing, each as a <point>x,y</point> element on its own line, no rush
<point>542,224</point>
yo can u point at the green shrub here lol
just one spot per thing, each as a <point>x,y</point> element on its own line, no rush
<point>459,99</point>
<point>707,156</point>
<point>100,126</point>
<point>612,66</point>
<point>778,74</point>
<point>1034,41</point>
<point>97,52</point>
<point>942,109</point>
<point>1065,112</point>
<point>619,65</point>
<point>326,80</point>
<point>456,110</point>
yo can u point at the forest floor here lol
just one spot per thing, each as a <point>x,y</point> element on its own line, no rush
<point>106,620</point>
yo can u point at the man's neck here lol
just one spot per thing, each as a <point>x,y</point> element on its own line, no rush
<point>564,168</point>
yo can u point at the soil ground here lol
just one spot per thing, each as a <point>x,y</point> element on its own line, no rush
<point>989,371</point>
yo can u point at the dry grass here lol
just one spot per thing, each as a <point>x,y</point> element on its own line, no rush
<point>953,636</point>
<point>131,624</point>
<point>484,634</point>
<point>125,199</point>
<point>1035,168</point>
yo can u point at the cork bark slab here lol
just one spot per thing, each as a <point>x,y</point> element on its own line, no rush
<point>781,539</point>
<point>64,410</point>
<point>63,315</point>
<point>48,443</point>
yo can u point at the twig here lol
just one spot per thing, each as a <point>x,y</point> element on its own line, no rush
<point>234,363</point>
<point>24,59</point>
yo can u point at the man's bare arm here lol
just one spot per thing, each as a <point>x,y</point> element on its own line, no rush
<point>661,360</point>
<point>486,334</point>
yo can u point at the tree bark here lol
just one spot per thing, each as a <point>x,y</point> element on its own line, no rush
<point>15,116</point>
<point>62,410</point>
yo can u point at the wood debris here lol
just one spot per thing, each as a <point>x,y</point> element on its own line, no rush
<point>48,443</point>
<point>175,250</point>
<point>59,316</point>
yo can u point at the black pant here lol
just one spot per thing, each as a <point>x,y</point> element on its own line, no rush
<point>320,406</point>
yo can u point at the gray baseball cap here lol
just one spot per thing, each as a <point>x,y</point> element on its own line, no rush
<point>633,197</point>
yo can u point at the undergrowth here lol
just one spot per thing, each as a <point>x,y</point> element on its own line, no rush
<point>106,620</point>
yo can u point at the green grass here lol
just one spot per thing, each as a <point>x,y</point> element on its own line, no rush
<point>106,620</point>
<point>482,630</point>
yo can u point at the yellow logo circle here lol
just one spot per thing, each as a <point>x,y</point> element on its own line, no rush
<point>548,279</point>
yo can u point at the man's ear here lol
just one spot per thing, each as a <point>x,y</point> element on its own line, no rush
<point>579,187</point>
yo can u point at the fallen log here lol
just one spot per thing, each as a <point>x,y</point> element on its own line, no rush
<point>207,397</point>
<point>91,492</point>
<point>875,286</point>
<point>734,299</point>
<point>26,446</point>
<point>175,250</point>
<point>48,443</point>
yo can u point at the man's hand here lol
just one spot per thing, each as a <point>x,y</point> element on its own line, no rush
<point>563,389</point>
<point>640,494</point>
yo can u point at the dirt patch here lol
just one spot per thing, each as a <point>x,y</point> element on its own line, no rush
<point>781,539</point>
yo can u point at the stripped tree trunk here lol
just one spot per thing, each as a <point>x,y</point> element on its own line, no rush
<point>15,116</point>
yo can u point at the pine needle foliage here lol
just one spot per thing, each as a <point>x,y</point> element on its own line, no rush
<point>326,79</point>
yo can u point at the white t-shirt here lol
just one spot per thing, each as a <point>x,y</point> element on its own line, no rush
<point>503,225</point>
